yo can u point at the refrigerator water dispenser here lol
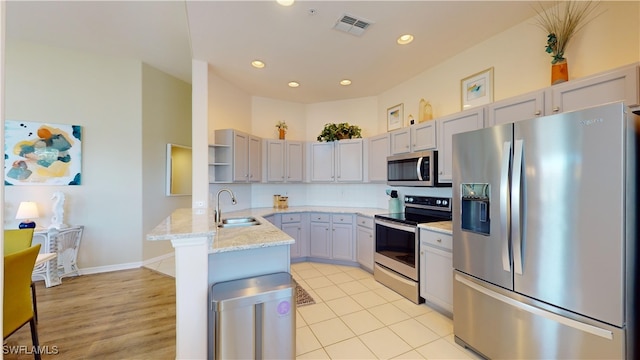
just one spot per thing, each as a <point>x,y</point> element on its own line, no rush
<point>475,208</point>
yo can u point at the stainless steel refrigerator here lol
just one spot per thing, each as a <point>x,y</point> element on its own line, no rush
<point>544,237</point>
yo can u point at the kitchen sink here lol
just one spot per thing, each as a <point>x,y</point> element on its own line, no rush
<point>238,222</point>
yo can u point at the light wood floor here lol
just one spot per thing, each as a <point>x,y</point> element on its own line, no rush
<point>128,314</point>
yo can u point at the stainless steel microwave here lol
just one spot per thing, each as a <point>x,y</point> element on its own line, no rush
<point>414,169</point>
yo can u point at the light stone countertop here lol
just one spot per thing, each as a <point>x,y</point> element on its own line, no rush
<point>189,223</point>
<point>441,226</point>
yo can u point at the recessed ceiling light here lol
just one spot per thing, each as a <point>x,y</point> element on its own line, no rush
<point>345,82</point>
<point>285,2</point>
<point>405,39</point>
<point>257,64</point>
<point>294,84</point>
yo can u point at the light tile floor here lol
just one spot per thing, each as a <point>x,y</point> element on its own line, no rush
<point>355,317</point>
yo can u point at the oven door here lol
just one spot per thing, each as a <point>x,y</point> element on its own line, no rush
<point>396,247</point>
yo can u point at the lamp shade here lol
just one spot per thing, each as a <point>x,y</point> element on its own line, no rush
<point>27,210</point>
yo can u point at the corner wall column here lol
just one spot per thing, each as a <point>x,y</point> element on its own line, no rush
<point>191,257</point>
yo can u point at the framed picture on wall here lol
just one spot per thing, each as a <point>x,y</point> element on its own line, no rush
<point>42,153</point>
<point>395,117</point>
<point>477,89</point>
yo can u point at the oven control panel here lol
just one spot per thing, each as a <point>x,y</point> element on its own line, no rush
<point>439,203</point>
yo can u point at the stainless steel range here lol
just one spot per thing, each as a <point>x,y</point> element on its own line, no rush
<point>397,243</point>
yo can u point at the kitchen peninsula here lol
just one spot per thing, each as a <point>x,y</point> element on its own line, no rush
<point>205,255</point>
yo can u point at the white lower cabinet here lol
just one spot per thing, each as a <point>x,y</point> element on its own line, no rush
<point>292,225</point>
<point>331,236</point>
<point>342,237</point>
<point>320,236</point>
<point>436,269</point>
<point>365,241</point>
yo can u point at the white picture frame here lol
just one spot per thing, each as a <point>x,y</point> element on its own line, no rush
<point>395,117</point>
<point>477,89</point>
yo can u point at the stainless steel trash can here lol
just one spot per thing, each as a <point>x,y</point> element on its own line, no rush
<point>255,318</point>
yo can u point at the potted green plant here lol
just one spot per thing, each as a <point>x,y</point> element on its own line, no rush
<point>282,129</point>
<point>333,132</point>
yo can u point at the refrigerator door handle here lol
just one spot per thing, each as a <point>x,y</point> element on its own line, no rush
<point>418,166</point>
<point>516,208</point>
<point>504,205</point>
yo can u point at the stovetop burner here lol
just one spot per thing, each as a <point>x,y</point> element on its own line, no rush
<point>421,209</point>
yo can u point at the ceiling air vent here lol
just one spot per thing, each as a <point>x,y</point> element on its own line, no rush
<point>352,25</point>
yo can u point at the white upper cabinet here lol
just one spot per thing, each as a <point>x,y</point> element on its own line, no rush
<point>616,85</point>
<point>322,167</point>
<point>401,141</point>
<point>349,160</point>
<point>417,137</point>
<point>294,161</point>
<point>247,158</point>
<point>467,120</point>
<point>336,161</point>
<point>423,136</point>
<point>517,108</point>
<point>284,160</point>
<point>235,157</point>
<point>378,151</point>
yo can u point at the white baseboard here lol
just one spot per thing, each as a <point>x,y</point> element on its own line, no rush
<point>109,268</point>
<point>127,266</point>
<point>157,258</point>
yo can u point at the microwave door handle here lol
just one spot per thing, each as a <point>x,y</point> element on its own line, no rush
<point>418,166</point>
<point>504,205</point>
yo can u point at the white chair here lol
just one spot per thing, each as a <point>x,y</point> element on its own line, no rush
<point>67,243</point>
<point>47,271</point>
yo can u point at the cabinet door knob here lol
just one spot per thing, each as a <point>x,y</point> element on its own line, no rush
<point>439,240</point>
<point>537,113</point>
<point>556,109</point>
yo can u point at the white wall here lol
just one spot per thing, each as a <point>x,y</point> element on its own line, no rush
<point>166,118</point>
<point>265,113</point>
<point>361,112</point>
<point>229,106</point>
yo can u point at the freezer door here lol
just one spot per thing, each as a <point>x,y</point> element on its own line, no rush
<point>569,235</point>
<point>481,161</point>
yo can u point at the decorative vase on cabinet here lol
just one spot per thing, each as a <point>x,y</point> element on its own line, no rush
<point>559,72</point>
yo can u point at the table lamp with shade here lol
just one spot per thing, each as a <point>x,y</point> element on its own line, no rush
<point>27,211</point>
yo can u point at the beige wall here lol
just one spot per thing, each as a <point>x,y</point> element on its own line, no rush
<point>520,63</point>
<point>105,96</point>
<point>166,118</point>
<point>229,106</point>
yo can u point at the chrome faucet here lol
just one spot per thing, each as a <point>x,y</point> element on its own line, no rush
<point>218,214</point>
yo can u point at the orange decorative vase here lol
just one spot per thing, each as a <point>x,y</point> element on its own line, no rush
<point>559,72</point>
<point>281,131</point>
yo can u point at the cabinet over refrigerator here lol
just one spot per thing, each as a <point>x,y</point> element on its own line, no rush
<point>545,239</point>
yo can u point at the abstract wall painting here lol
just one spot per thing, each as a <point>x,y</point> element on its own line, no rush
<point>42,154</point>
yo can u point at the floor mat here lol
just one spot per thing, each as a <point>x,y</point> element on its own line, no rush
<point>302,297</point>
